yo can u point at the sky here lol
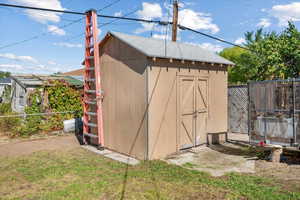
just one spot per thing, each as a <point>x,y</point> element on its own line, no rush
<point>55,43</point>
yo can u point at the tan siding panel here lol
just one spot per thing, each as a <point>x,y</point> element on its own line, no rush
<point>124,84</point>
<point>163,110</point>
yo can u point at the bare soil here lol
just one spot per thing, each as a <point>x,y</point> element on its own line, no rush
<point>287,175</point>
<point>21,147</point>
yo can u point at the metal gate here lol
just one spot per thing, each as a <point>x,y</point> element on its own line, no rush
<point>238,109</point>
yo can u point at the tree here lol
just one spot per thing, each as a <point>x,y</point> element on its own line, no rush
<point>238,56</point>
<point>270,56</point>
<point>4,74</point>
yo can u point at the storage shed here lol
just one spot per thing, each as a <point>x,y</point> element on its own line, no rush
<point>160,97</point>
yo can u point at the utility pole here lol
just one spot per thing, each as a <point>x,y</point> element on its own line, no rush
<point>175,20</point>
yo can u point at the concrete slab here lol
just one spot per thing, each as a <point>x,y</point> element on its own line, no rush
<point>112,155</point>
<point>216,160</point>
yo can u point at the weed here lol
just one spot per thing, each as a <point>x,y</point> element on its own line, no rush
<point>79,174</point>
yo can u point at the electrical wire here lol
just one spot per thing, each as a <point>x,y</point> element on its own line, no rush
<point>115,17</point>
<point>42,9</point>
<point>210,36</point>
<point>109,5</point>
<point>81,13</point>
<point>39,35</point>
<point>101,25</point>
<point>167,29</point>
<point>125,15</point>
<point>50,10</point>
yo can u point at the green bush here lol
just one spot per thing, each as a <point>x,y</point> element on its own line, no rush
<point>5,108</point>
<point>60,97</point>
<point>8,124</point>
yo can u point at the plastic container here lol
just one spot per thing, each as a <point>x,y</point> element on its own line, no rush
<point>69,125</point>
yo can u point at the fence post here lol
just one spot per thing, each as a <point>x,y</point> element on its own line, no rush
<point>294,113</point>
<point>249,110</point>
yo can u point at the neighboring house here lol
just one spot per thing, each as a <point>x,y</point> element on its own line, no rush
<point>22,85</point>
<point>5,86</point>
<point>78,72</point>
<point>159,97</point>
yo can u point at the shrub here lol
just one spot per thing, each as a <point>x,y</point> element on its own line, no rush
<point>9,125</point>
<point>5,108</point>
<point>57,96</point>
<point>62,98</point>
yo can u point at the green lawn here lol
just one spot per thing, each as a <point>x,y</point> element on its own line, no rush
<point>79,174</point>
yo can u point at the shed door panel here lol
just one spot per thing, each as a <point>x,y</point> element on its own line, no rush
<point>201,110</point>
<point>187,109</point>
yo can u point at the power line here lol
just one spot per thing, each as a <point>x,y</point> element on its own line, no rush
<point>102,25</point>
<point>41,9</point>
<point>125,15</point>
<point>81,13</point>
<point>50,10</point>
<point>167,27</point>
<point>40,35</point>
<point>114,17</point>
<point>109,5</point>
<point>212,37</point>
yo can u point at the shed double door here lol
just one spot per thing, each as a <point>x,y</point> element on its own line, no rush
<point>193,110</point>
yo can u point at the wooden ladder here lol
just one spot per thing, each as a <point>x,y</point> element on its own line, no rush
<point>93,95</point>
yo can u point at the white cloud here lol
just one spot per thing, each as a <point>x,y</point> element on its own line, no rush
<point>11,67</point>
<point>18,58</point>
<point>150,11</point>
<point>197,20</point>
<point>69,45</point>
<point>264,22</point>
<point>211,47</point>
<point>51,62</point>
<point>240,41</point>
<point>287,12</point>
<point>147,27</point>
<point>42,16</point>
<point>161,36</point>
<point>187,17</point>
<point>118,14</point>
<point>56,30</point>
<point>208,46</point>
<point>37,69</point>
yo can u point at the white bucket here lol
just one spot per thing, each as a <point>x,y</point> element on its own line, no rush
<point>69,125</point>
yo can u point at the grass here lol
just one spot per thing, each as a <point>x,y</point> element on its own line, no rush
<point>79,174</point>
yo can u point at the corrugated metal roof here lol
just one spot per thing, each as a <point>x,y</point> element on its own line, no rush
<point>38,80</point>
<point>152,47</point>
<point>5,81</point>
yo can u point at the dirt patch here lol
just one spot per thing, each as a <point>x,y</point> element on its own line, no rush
<point>5,139</point>
<point>278,170</point>
<point>221,159</point>
<point>20,148</point>
<point>217,160</point>
<point>281,172</point>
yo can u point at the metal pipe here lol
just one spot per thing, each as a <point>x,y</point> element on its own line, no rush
<point>249,111</point>
<point>36,114</point>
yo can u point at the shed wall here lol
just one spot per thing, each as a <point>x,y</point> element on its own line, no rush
<point>123,72</point>
<point>163,110</point>
<point>19,97</point>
